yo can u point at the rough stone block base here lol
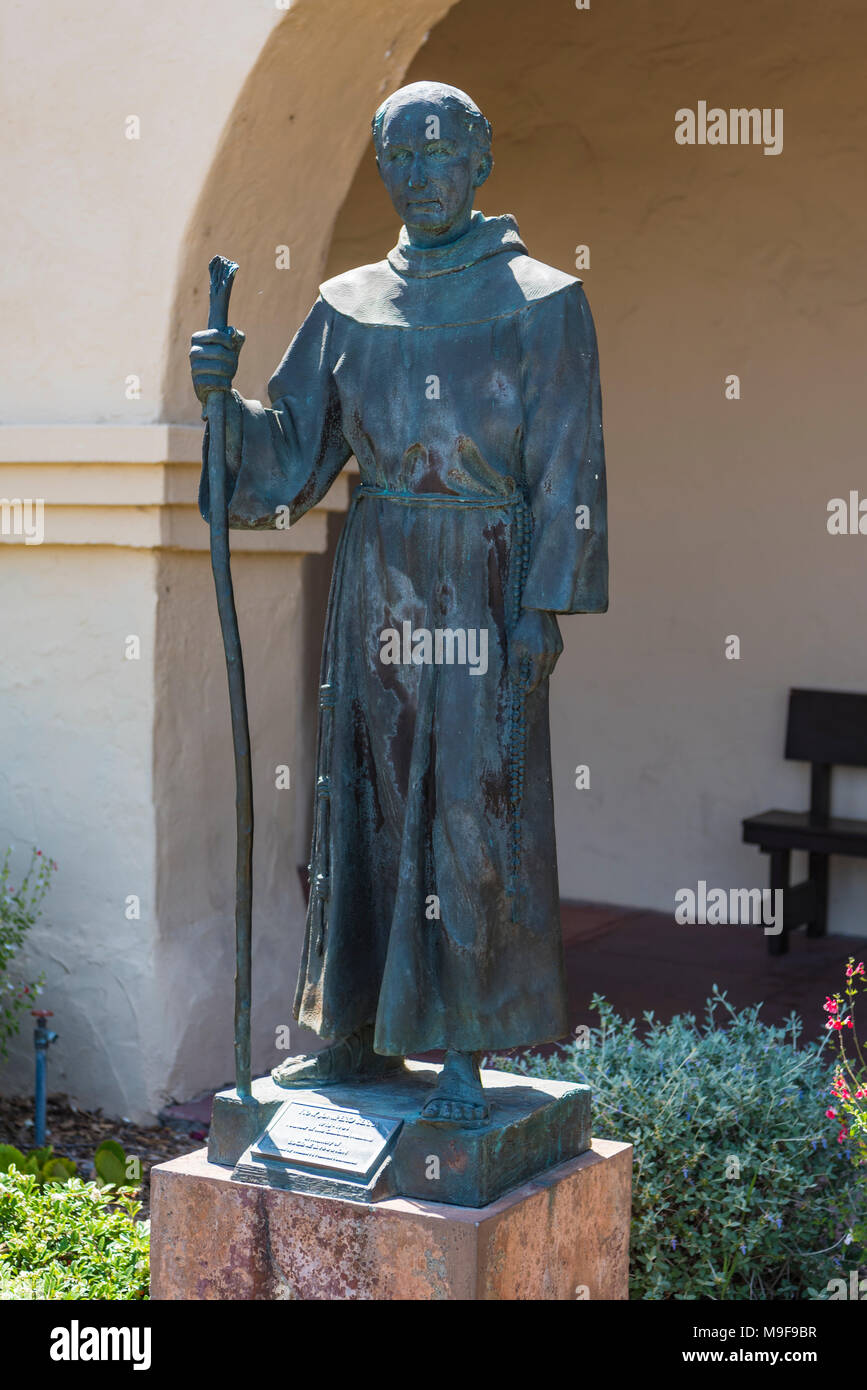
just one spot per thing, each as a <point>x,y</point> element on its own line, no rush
<point>565,1235</point>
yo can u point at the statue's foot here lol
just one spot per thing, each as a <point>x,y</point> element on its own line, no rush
<point>350,1059</point>
<point>459,1098</point>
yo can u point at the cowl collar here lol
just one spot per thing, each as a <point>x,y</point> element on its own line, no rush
<point>486,236</point>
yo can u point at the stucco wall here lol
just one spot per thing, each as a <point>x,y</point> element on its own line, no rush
<point>77,781</point>
<point>194,945</point>
<point>705,261</point>
<point>108,240</point>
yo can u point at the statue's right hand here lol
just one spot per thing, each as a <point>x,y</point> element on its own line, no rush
<point>214,359</point>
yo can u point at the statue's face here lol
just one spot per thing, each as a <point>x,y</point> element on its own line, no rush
<point>431,169</point>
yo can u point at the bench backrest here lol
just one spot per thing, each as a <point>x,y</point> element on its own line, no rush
<point>827,726</point>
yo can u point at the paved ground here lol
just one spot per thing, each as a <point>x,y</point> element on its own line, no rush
<point>638,960</point>
<point>643,960</point>
<point>76,1134</point>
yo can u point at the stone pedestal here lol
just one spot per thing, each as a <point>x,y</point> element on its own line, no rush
<point>564,1235</point>
<point>365,1140</point>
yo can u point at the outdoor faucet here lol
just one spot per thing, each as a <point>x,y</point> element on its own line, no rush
<point>43,1037</point>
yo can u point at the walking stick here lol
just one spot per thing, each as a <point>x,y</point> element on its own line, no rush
<point>222,275</point>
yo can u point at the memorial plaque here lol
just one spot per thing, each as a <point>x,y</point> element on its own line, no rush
<point>366,1143</point>
<point>327,1138</point>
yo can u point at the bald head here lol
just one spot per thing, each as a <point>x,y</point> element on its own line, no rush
<point>436,97</point>
<point>433,149</point>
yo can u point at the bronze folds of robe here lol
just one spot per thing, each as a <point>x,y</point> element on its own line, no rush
<point>464,379</point>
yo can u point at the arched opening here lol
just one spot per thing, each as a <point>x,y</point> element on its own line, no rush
<point>702,262</point>
<point>285,161</point>
<point>298,129</point>
<point>583,105</point>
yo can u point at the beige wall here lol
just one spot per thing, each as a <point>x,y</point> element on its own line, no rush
<point>704,261</point>
<point>77,782</point>
<point>109,240</point>
<point>194,791</point>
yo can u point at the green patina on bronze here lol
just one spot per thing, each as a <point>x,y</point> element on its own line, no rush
<point>462,374</point>
<point>534,1125</point>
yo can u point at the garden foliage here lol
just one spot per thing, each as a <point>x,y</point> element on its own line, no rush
<point>20,908</point>
<point>70,1240</point>
<point>740,1189</point>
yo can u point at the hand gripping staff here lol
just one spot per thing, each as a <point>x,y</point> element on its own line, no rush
<point>222,275</point>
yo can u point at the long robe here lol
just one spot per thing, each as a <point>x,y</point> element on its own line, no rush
<point>465,381</point>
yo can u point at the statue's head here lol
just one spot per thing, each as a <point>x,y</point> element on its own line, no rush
<point>433,150</point>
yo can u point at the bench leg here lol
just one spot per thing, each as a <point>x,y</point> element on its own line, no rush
<point>780,869</point>
<point>820,876</point>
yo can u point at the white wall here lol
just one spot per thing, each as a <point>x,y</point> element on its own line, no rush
<point>252,122</point>
<point>77,782</point>
<point>704,261</point>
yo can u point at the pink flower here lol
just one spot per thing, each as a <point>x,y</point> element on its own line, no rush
<point>831,1113</point>
<point>830,1005</point>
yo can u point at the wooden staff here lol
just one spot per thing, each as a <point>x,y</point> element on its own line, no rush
<point>222,275</point>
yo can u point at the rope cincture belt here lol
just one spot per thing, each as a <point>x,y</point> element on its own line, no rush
<point>440,499</point>
<point>517,721</point>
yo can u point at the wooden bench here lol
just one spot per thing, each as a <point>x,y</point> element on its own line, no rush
<point>825,728</point>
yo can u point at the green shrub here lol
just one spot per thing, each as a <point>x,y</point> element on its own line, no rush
<point>737,1193</point>
<point>69,1241</point>
<point>20,908</point>
<point>849,1087</point>
<point>19,1287</point>
<point>113,1166</point>
<point>44,1164</point>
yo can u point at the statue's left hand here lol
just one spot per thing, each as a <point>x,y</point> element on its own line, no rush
<point>536,636</point>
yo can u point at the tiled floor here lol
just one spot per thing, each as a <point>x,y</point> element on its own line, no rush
<point>643,960</point>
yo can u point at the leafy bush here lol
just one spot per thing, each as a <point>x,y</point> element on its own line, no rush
<point>19,1287</point>
<point>849,1087</point>
<point>114,1166</point>
<point>737,1193</point>
<point>69,1241</point>
<point>44,1164</point>
<point>20,908</point>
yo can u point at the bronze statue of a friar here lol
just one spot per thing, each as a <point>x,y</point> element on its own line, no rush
<point>463,376</point>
